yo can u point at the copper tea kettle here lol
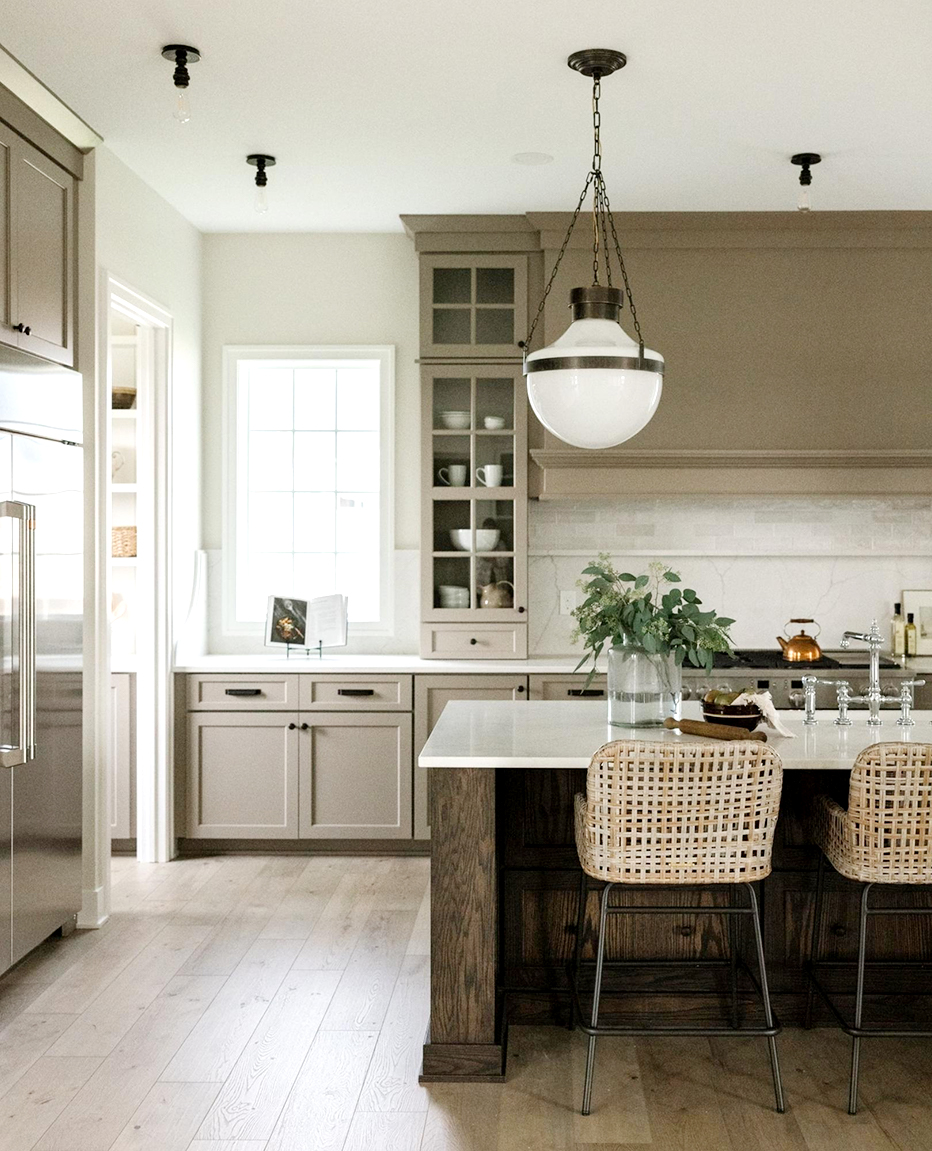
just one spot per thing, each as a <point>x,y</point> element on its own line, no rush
<point>800,648</point>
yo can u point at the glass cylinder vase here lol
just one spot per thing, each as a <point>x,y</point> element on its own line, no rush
<point>643,689</point>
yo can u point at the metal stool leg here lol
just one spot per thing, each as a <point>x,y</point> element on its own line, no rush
<point>733,958</point>
<point>859,1002</point>
<point>577,946</point>
<point>765,995</point>
<point>815,939</point>
<point>597,990</point>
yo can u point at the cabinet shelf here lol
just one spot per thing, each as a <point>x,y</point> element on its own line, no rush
<point>124,413</point>
<point>451,493</point>
<point>473,431</point>
<point>124,561</point>
<point>117,488</point>
<point>466,555</point>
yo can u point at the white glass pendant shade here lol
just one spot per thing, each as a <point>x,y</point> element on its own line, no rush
<point>590,388</point>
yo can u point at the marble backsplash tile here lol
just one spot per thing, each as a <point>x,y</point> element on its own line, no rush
<point>841,561</point>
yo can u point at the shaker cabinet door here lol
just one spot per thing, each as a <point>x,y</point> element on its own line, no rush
<point>43,219</point>
<point>37,251</point>
<point>123,759</point>
<point>242,775</point>
<point>431,695</point>
<point>355,775</point>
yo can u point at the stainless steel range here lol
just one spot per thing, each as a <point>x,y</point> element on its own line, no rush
<point>767,669</point>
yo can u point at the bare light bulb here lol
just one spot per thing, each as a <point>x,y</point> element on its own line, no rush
<point>182,110</point>
<point>804,204</point>
<point>261,201</point>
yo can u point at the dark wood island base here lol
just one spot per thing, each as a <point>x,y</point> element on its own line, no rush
<point>504,883</point>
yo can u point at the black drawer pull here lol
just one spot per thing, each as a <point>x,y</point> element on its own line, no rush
<point>243,691</point>
<point>292,726</point>
<point>519,689</point>
<point>304,727</point>
<point>473,641</point>
<point>586,692</point>
<point>355,691</point>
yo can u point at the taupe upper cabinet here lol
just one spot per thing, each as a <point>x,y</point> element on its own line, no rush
<point>37,241</point>
<point>473,307</point>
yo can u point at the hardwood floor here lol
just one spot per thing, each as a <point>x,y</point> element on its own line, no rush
<point>248,1003</point>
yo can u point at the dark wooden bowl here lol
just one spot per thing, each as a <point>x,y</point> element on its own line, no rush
<point>746,715</point>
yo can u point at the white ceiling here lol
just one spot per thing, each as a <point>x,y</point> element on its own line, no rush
<point>377,107</point>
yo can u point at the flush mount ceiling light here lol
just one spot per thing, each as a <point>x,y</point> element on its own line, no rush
<point>182,55</point>
<point>594,387</point>
<point>804,161</point>
<point>260,162</point>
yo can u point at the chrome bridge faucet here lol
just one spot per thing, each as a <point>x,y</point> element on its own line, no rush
<point>874,640</point>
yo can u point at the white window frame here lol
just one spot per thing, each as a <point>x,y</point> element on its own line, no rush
<point>233,355</point>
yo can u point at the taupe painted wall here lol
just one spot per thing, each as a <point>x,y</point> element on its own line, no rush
<point>778,329</point>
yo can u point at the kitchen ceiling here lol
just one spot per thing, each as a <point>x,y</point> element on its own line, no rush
<point>376,108</point>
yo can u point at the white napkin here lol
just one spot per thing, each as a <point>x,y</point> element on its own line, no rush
<point>764,700</point>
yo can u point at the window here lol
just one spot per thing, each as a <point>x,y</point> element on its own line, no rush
<point>308,481</point>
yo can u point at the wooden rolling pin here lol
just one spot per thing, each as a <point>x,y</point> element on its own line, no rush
<point>713,730</point>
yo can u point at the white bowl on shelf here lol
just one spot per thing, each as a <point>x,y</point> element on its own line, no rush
<point>494,423</point>
<point>486,539</point>
<point>455,420</point>
<point>453,596</point>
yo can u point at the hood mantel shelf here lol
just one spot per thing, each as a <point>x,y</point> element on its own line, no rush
<point>570,473</point>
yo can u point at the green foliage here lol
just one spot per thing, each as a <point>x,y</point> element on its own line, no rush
<point>621,608</point>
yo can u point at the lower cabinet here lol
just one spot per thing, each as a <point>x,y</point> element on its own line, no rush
<point>431,695</point>
<point>299,775</point>
<point>355,775</point>
<point>123,757</point>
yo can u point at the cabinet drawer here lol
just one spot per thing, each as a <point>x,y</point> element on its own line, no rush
<point>568,687</point>
<point>480,641</point>
<point>242,693</point>
<point>356,693</point>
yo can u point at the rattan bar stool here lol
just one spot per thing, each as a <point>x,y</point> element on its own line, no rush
<point>677,815</point>
<point>885,837</point>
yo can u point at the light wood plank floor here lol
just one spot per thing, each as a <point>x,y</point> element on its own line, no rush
<point>279,1003</point>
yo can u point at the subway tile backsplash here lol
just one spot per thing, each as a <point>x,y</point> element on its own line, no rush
<point>841,560</point>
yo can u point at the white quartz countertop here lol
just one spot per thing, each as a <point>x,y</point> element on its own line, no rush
<point>376,664</point>
<point>558,734</point>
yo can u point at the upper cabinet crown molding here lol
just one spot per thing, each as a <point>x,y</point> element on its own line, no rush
<point>18,115</point>
<point>472,233</point>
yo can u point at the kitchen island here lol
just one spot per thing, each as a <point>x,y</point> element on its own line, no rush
<point>504,877</point>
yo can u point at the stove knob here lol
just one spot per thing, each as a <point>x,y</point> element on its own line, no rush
<point>687,692</point>
<point>796,699</point>
<point>724,687</point>
<point>863,687</point>
<point>702,690</point>
<point>890,691</point>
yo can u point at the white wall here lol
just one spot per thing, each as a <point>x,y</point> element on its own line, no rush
<point>760,560</point>
<point>144,242</point>
<point>315,288</point>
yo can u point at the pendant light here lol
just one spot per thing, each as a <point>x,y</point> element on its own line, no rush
<point>260,162</point>
<point>182,55</point>
<point>804,161</point>
<point>595,387</point>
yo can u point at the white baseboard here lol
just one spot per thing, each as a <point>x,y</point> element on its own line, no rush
<point>93,912</point>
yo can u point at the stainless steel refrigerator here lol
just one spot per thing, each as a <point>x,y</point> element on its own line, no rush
<point>41,625</point>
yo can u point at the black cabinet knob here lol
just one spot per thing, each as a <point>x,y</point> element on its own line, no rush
<point>19,328</point>
<point>686,931</point>
<point>292,726</point>
<point>304,727</point>
<point>838,929</point>
<point>27,330</point>
<point>520,690</point>
<point>520,609</point>
<point>474,640</point>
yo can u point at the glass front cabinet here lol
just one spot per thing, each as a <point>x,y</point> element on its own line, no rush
<point>473,307</point>
<point>474,528</point>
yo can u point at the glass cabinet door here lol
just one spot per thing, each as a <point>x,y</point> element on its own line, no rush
<point>473,306</point>
<point>475,519</point>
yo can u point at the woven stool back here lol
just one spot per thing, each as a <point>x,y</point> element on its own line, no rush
<point>674,813</point>
<point>887,831</point>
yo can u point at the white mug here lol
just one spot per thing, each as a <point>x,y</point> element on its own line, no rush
<point>490,475</point>
<point>453,476</point>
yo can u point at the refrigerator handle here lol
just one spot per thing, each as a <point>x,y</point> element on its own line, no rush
<point>25,514</point>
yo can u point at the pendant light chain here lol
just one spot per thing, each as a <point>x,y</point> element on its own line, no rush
<point>602,222</point>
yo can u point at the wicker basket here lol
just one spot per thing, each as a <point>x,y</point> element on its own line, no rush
<point>122,398</point>
<point>124,542</point>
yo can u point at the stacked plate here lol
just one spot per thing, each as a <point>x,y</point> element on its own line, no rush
<point>452,596</point>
